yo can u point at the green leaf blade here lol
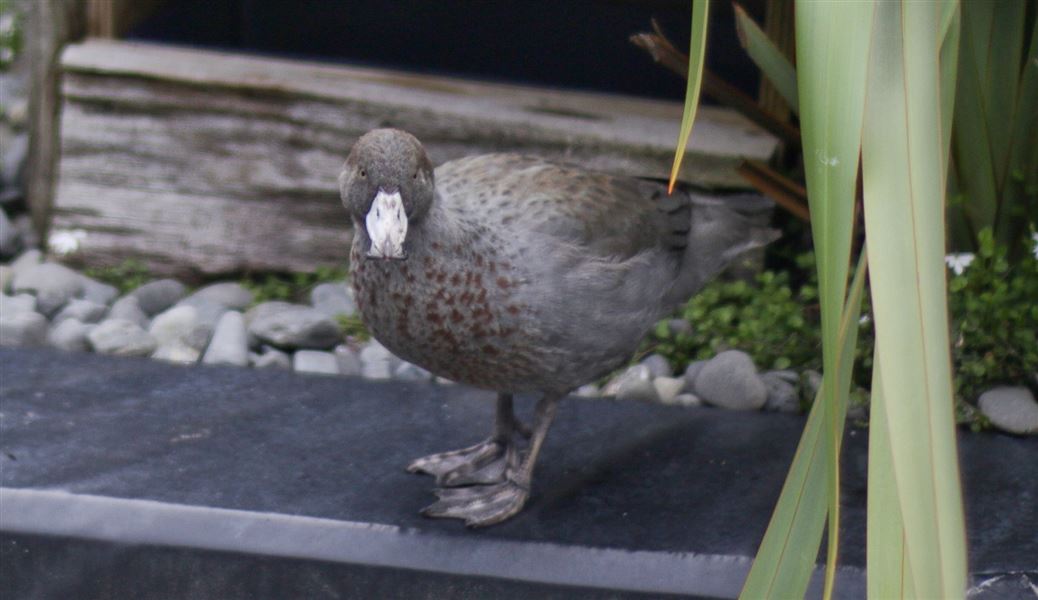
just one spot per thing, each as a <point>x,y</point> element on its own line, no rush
<point>768,58</point>
<point>903,177</point>
<point>696,60</point>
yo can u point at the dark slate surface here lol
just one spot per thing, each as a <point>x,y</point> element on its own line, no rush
<point>658,482</point>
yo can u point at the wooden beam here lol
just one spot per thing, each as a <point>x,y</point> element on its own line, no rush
<point>51,25</point>
<point>208,163</point>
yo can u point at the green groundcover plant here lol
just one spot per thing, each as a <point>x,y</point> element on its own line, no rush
<point>991,301</point>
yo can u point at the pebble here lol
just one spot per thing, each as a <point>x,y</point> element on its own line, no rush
<point>229,345</point>
<point>128,309</point>
<point>230,295</point>
<point>678,327</point>
<point>349,361</point>
<point>82,310</point>
<point>788,375</point>
<point>691,371</point>
<point>29,258</point>
<point>22,303</point>
<point>810,383</point>
<point>333,299</point>
<point>635,383</point>
<point>781,394</point>
<point>97,292</point>
<point>292,326</point>
<point>658,365</point>
<point>376,362</point>
<point>177,351</point>
<point>668,388</point>
<point>156,296</point>
<point>209,312</point>
<point>271,358</point>
<point>589,390</point>
<point>71,335</point>
<point>121,338</point>
<point>23,329</point>
<point>173,325</point>
<point>315,361</point>
<point>729,380</point>
<point>1011,409</point>
<point>687,399</point>
<point>51,283</point>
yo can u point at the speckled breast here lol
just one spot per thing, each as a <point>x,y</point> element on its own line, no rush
<point>451,310</point>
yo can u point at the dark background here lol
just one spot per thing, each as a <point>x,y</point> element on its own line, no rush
<point>580,44</point>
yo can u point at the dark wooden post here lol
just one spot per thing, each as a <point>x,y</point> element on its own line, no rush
<point>51,25</point>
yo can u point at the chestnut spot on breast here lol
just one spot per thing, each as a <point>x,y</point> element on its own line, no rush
<point>502,283</point>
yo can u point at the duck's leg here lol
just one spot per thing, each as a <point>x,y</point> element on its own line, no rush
<point>482,505</point>
<point>486,462</point>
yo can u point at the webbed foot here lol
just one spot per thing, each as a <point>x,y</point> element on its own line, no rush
<point>485,463</point>
<point>480,505</point>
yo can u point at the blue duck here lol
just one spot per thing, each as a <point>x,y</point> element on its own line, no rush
<point>518,275</point>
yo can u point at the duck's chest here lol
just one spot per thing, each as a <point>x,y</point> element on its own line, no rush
<point>452,310</point>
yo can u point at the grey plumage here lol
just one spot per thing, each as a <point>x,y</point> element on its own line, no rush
<point>523,275</point>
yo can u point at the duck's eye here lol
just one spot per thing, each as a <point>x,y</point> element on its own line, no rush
<point>415,175</point>
<point>363,173</point>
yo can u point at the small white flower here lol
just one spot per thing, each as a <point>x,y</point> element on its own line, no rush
<point>65,241</point>
<point>1034,238</point>
<point>864,320</point>
<point>958,262</point>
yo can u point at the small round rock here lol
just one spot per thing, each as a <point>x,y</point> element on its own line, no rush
<point>315,361</point>
<point>292,326</point>
<point>128,308</point>
<point>658,365</point>
<point>271,358</point>
<point>156,296</point>
<point>782,395</point>
<point>349,361</point>
<point>23,329</point>
<point>70,334</point>
<point>668,388</point>
<point>634,384</point>
<point>229,294</point>
<point>121,338</point>
<point>333,299</point>
<point>84,311</point>
<point>1011,409</point>
<point>729,380</point>
<point>230,344</point>
<point>52,284</point>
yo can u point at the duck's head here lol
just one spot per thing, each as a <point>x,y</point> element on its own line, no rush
<point>386,186</point>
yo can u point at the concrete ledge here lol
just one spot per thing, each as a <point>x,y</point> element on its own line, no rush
<point>125,476</point>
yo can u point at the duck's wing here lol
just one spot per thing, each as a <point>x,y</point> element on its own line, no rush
<point>605,215</point>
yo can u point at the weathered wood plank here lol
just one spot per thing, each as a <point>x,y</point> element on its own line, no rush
<point>251,148</point>
<point>51,25</point>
